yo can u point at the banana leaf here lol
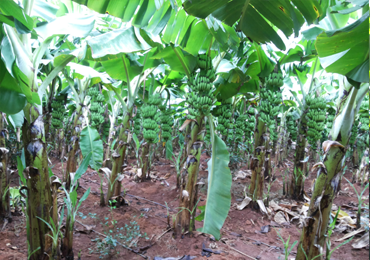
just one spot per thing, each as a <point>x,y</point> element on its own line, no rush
<point>219,185</point>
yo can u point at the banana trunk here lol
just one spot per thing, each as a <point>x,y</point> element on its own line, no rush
<point>4,177</point>
<point>114,187</point>
<point>75,143</point>
<point>144,161</point>
<point>296,182</point>
<point>257,162</point>
<point>188,190</point>
<point>39,200</point>
<point>67,242</point>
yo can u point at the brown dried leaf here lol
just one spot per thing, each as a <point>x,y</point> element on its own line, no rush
<point>327,144</point>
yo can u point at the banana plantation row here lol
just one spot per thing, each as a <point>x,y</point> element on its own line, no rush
<point>92,89</point>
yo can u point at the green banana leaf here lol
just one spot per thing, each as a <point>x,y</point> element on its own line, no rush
<point>90,142</point>
<point>12,99</point>
<point>10,12</point>
<point>79,26</point>
<point>17,119</point>
<point>219,185</point>
<point>252,16</point>
<point>45,10</point>
<point>177,59</point>
<point>118,41</point>
<point>348,57</point>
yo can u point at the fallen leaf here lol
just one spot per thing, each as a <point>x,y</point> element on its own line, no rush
<point>244,203</point>
<point>351,234</point>
<point>280,218</point>
<point>361,242</point>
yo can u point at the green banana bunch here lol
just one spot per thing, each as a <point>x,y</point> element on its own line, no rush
<point>201,98</point>
<point>250,124</point>
<point>316,118</point>
<point>269,106</point>
<point>208,133</point>
<point>93,92</point>
<point>97,108</point>
<point>274,80</point>
<point>204,62</point>
<point>292,126</point>
<point>166,122</point>
<point>150,118</point>
<point>58,111</point>
<point>149,135</point>
<point>225,119</point>
<point>240,127</point>
<point>330,119</point>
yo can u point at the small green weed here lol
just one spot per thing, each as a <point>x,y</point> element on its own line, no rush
<point>127,235</point>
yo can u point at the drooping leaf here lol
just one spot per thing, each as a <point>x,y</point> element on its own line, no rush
<point>352,51</point>
<point>117,41</point>
<point>90,142</point>
<point>176,59</point>
<point>45,10</point>
<point>17,119</point>
<point>169,150</point>
<point>219,185</point>
<point>257,17</point>
<point>79,26</point>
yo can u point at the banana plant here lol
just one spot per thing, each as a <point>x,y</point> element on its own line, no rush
<point>73,204</point>
<point>313,236</point>
<point>22,63</point>
<point>119,149</point>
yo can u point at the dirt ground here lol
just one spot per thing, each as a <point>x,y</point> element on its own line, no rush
<point>241,231</point>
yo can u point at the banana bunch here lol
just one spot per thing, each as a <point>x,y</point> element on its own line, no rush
<point>201,84</point>
<point>330,119</point>
<point>269,106</point>
<point>251,123</point>
<point>224,120</point>
<point>166,122</point>
<point>204,62</point>
<point>208,133</point>
<point>58,111</point>
<point>292,126</point>
<point>93,92</point>
<point>149,113</point>
<point>316,103</point>
<point>316,118</point>
<point>274,80</point>
<point>240,127</point>
<point>96,107</point>
<point>200,98</point>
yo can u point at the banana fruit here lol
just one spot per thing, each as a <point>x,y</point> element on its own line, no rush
<point>316,117</point>
<point>58,111</point>
<point>201,98</point>
<point>150,118</point>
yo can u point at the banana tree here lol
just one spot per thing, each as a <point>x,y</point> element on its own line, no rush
<point>313,236</point>
<point>22,64</point>
<point>119,149</point>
